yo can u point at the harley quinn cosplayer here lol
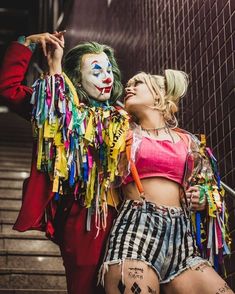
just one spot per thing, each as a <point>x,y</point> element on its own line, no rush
<point>172,174</point>
<point>78,138</point>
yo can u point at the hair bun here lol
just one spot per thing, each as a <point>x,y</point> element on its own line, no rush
<point>176,84</point>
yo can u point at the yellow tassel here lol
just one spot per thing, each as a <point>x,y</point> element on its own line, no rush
<point>72,89</point>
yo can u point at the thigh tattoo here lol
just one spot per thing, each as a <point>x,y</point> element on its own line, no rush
<point>135,288</point>
<point>136,273</point>
<point>152,291</point>
<point>201,267</point>
<point>121,287</point>
<point>223,289</point>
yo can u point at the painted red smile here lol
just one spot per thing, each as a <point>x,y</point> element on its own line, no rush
<point>105,89</point>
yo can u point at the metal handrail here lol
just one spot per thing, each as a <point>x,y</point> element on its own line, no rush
<point>228,189</point>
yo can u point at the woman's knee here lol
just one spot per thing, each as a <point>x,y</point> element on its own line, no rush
<point>131,276</point>
<point>198,279</point>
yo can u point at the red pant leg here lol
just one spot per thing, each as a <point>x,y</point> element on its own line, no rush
<point>82,252</point>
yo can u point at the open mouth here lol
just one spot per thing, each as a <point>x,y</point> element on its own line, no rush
<point>105,89</point>
<point>128,96</point>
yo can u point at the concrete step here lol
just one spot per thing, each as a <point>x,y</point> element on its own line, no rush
<point>14,203</point>
<point>6,151</point>
<point>26,279</point>
<point>18,159</point>
<point>9,184</point>
<point>14,169</point>
<point>6,228</point>
<point>11,136</point>
<point>13,175</point>
<point>11,149</point>
<point>32,291</point>
<point>31,260</point>
<point>16,144</point>
<point>26,243</point>
<point>11,193</point>
<point>8,212</point>
<point>12,165</point>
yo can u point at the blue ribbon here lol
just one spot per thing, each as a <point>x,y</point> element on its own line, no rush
<point>198,230</point>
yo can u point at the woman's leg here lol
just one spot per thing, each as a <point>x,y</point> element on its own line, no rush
<point>131,277</point>
<point>201,279</point>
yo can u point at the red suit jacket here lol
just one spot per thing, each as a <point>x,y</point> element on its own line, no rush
<point>36,189</point>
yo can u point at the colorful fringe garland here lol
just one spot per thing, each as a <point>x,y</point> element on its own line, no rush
<point>212,237</point>
<point>78,145</point>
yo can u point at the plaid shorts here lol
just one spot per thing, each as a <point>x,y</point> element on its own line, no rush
<point>160,236</point>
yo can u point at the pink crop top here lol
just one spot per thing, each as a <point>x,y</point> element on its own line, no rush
<point>157,158</point>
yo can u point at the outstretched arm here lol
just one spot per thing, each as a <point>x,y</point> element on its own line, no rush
<point>15,65</point>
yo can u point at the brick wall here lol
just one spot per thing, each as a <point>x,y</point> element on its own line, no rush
<point>192,35</point>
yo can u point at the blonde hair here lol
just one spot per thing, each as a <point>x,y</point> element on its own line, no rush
<point>167,91</point>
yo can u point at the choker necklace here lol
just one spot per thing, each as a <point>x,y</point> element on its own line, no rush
<point>156,131</point>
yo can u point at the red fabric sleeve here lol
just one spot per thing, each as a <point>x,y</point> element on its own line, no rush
<point>12,73</point>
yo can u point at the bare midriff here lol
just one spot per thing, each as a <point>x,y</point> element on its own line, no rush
<point>160,191</point>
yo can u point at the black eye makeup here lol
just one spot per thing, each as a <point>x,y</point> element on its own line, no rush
<point>136,83</point>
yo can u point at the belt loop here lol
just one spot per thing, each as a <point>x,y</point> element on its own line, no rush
<point>169,213</point>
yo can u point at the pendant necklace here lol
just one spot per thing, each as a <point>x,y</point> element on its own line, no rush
<point>156,131</point>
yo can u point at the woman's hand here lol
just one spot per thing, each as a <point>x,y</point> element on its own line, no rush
<point>193,195</point>
<point>45,39</point>
<point>52,45</point>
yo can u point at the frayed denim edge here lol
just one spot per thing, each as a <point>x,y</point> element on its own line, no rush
<point>104,269</point>
<point>199,262</point>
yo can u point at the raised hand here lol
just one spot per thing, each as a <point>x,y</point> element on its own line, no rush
<point>45,39</point>
<point>52,46</point>
<point>55,54</point>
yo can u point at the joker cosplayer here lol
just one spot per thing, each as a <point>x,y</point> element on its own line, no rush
<point>79,137</point>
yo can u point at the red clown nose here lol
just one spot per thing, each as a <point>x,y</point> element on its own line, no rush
<point>107,81</point>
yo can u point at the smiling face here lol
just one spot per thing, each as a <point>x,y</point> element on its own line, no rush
<point>97,76</point>
<point>138,95</point>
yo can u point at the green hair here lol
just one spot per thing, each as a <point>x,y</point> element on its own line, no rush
<point>72,68</point>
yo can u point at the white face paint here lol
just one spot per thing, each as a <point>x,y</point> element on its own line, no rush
<point>97,76</point>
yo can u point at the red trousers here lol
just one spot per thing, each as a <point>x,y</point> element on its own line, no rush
<point>82,253</point>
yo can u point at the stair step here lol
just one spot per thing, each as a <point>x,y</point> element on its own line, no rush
<point>17,159</point>
<point>8,212</point>
<point>12,149</point>
<point>9,184</point>
<point>15,152</point>
<point>13,175</point>
<point>31,260</point>
<point>11,193</point>
<point>12,203</point>
<point>26,278</point>
<point>6,228</point>
<point>26,242</point>
<point>11,137</point>
<point>16,144</point>
<point>14,169</point>
<point>32,291</point>
<point>14,165</point>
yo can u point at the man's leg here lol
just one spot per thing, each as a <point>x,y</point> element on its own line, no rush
<point>82,251</point>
